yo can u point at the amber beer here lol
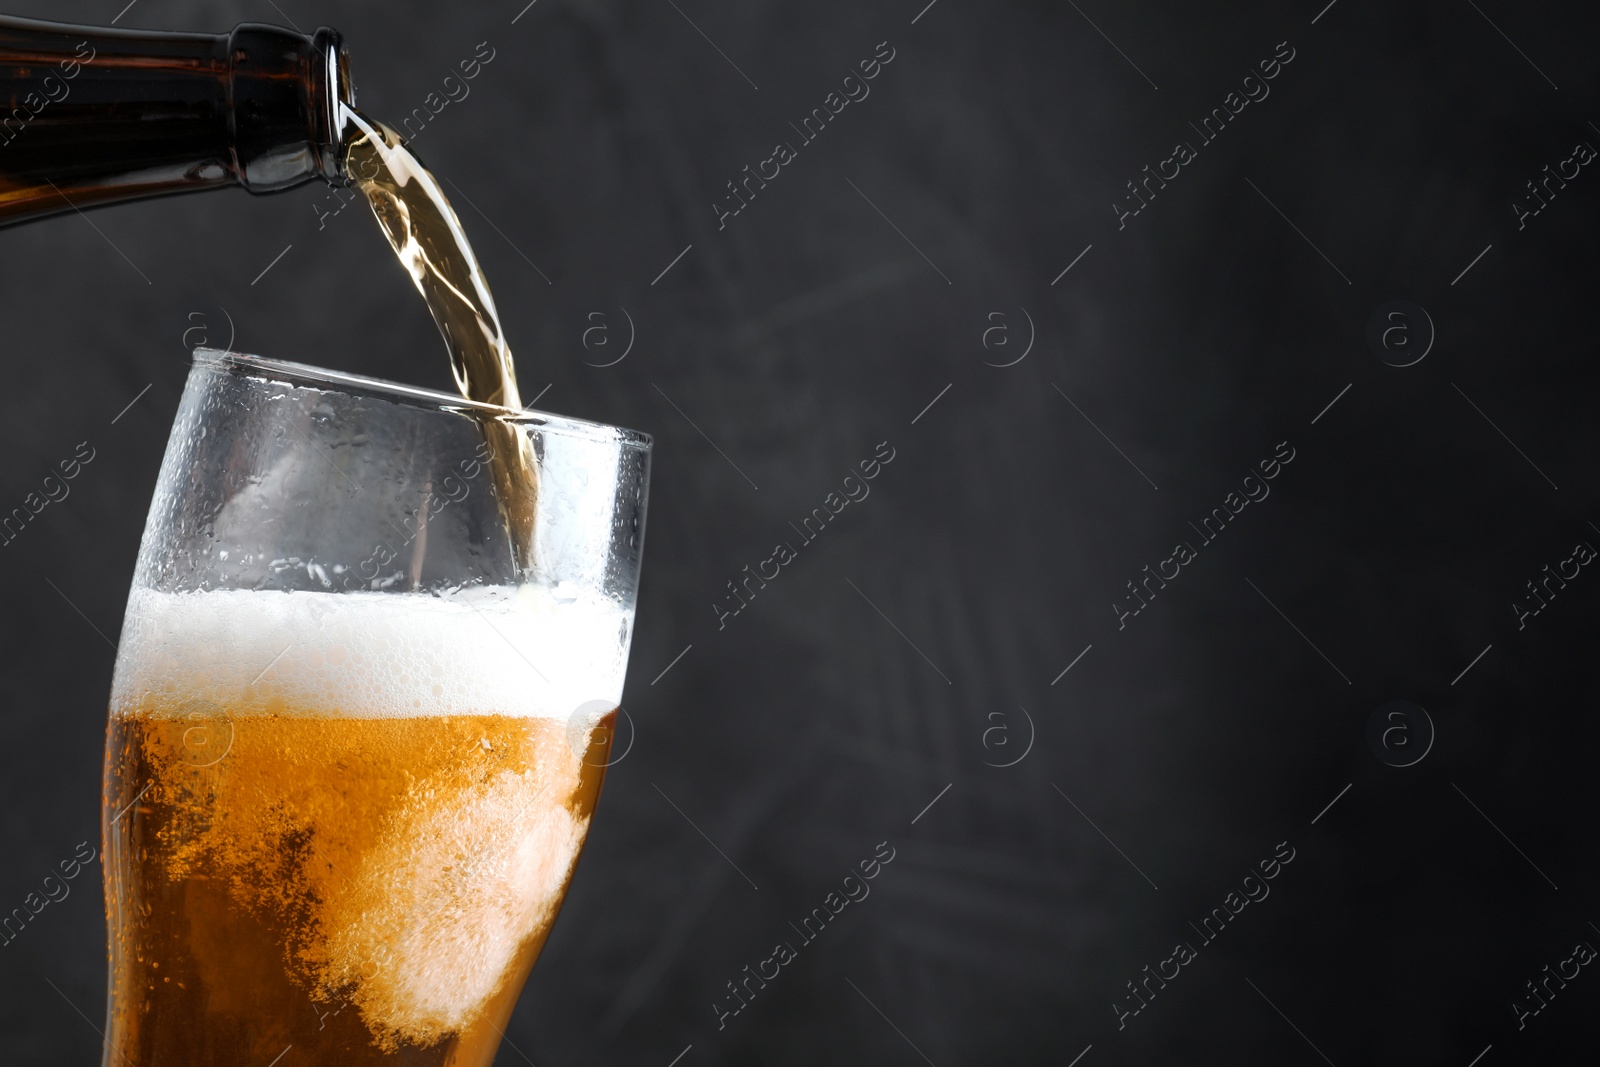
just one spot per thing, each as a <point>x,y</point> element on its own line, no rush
<point>353,862</point>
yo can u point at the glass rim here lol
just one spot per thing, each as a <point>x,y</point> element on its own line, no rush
<point>291,373</point>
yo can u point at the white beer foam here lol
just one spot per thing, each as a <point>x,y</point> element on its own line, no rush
<point>526,652</point>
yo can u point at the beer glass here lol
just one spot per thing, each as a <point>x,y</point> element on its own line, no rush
<point>353,747</point>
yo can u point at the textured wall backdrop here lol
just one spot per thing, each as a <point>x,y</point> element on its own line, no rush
<point>1087,271</point>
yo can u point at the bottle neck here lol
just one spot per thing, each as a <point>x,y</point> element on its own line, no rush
<point>287,96</point>
<point>91,115</point>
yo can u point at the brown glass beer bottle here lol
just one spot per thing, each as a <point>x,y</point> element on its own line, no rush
<point>92,115</point>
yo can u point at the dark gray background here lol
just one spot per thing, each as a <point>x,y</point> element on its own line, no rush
<point>808,331</point>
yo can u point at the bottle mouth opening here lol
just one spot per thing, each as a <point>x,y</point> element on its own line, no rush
<point>339,97</point>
